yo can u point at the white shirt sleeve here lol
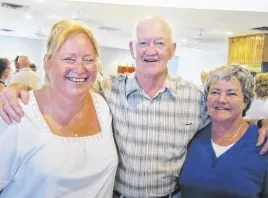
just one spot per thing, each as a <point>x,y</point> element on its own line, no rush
<point>9,160</point>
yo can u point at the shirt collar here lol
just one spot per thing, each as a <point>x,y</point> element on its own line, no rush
<point>131,84</point>
<point>25,68</point>
<point>169,85</point>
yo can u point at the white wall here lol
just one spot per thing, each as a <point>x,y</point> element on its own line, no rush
<point>192,62</point>
<point>10,47</point>
<point>111,58</point>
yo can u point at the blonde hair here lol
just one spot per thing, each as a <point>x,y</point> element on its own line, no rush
<point>204,75</point>
<point>60,32</point>
<point>261,85</point>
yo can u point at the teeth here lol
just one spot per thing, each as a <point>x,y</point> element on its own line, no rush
<point>146,60</point>
<point>221,108</point>
<point>77,80</point>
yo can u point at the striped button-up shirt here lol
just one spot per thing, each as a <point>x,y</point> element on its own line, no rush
<point>152,134</point>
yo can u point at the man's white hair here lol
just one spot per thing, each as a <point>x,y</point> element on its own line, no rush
<point>167,24</point>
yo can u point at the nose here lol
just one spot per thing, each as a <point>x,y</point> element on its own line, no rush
<point>80,67</point>
<point>151,49</point>
<point>222,98</point>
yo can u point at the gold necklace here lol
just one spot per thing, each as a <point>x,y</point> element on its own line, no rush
<point>64,126</point>
<point>234,136</point>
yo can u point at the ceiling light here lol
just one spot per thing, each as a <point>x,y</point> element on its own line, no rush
<point>40,0</point>
<point>28,16</point>
<point>229,33</point>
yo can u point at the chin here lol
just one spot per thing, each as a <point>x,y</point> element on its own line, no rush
<point>151,71</point>
<point>221,119</point>
<point>76,92</point>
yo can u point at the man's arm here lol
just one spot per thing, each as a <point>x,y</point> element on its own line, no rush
<point>263,135</point>
<point>10,108</point>
<point>9,102</point>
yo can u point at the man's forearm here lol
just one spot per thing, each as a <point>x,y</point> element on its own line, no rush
<point>265,123</point>
<point>258,122</point>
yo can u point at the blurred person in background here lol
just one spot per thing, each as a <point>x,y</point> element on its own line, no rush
<point>16,64</point>
<point>204,75</point>
<point>25,74</point>
<point>5,72</point>
<point>33,67</point>
<point>259,107</point>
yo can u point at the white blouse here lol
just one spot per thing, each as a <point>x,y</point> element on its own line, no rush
<point>35,163</point>
<point>219,150</point>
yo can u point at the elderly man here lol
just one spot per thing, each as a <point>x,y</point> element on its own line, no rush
<point>16,63</point>
<point>25,74</point>
<point>155,115</point>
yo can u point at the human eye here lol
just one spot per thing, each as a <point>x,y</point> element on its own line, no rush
<point>68,59</point>
<point>214,92</point>
<point>232,94</point>
<point>89,60</point>
<point>160,43</point>
<point>143,43</point>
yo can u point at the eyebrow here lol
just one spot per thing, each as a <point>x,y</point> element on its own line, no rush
<point>151,38</point>
<point>227,89</point>
<point>73,54</point>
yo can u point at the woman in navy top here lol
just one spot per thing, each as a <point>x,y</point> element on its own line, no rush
<point>222,160</point>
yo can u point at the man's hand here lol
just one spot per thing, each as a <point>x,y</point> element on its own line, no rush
<point>263,135</point>
<point>9,103</point>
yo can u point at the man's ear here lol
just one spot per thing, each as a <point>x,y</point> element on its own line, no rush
<point>132,49</point>
<point>172,50</point>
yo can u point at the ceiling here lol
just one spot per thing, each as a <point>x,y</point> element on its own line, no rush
<point>113,23</point>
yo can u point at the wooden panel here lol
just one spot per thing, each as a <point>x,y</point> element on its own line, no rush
<point>246,50</point>
<point>265,49</point>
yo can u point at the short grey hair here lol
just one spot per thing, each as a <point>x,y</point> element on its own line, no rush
<point>159,19</point>
<point>226,72</point>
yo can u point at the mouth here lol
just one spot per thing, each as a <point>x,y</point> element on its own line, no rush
<point>221,108</point>
<point>150,60</point>
<point>77,80</point>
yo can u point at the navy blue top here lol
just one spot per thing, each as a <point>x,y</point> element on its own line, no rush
<point>237,173</point>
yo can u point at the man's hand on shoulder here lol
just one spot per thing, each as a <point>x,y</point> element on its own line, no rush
<point>10,108</point>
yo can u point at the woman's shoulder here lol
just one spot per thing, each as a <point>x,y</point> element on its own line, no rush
<point>31,109</point>
<point>2,87</point>
<point>204,131</point>
<point>99,102</point>
<point>252,130</point>
<point>98,98</point>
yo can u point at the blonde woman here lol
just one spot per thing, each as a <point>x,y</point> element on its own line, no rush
<point>63,146</point>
